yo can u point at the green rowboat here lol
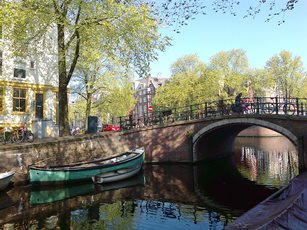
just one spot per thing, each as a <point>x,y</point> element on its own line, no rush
<point>84,171</point>
<point>48,194</point>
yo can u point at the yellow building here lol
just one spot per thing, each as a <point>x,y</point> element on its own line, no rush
<point>28,90</point>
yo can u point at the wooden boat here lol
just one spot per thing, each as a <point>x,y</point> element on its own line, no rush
<point>285,209</point>
<point>50,194</point>
<point>83,171</point>
<point>56,193</point>
<point>5,179</point>
<point>116,175</point>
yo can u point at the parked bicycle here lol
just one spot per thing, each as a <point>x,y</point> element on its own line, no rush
<point>3,136</point>
<point>248,105</point>
<point>22,134</point>
<point>275,106</point>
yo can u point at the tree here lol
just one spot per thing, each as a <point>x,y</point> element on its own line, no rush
<point>118,102</point>
<point>232,66</point>
<point>177,13</point>
<point>191,83</point>
<point>188,64</point>
<point>287,72</point>
<point>100,80</point>
<point>121,28</point>
<point>259,83</point>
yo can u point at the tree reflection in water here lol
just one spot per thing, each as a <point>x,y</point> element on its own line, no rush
<point>208,195</point>
<point>271,161</point>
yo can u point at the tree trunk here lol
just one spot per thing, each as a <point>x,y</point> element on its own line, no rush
<point>88,108</point>
<point>63,99</point>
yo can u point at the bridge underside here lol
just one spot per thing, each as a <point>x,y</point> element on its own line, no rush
<point>217,139</point>
<point>217,142</point>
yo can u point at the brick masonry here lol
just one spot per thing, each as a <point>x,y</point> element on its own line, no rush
<point>166,143</point>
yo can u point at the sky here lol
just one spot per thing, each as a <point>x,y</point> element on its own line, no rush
<point>214,32</point>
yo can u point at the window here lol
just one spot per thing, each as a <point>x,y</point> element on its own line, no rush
<point>32,64</point>
<point>19,100</point>
<point>19,73</point>
<point>1,98</point>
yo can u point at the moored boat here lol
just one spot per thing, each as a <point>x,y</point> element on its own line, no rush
<point>116,175</point>
<point>50,194</point>
<point>82,171</point>
<point>5,179</point>
<point>285,209</point>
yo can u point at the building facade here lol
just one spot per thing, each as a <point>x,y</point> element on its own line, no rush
<point>28,89</point>
<point>145,89</point>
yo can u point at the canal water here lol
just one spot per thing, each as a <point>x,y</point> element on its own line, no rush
<point>208,195</point>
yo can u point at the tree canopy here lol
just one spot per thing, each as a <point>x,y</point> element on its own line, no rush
<point>227,75</point>
<point>124,30</point>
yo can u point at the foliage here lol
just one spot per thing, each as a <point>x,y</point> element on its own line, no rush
<point>178,13</point>
<point>227,75</point>
<point>113,100</point>
<point>190,83</point>
<point>117,103</point>
<point>125,30</point>
<point>287,72</point>
<point>188,64</point>
<point>258,83</point>
<point>232,66</point>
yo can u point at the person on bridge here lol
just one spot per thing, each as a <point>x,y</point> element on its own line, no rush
<point>237,106</point>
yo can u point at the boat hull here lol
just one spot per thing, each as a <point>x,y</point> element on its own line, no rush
<point>5,179</point>
<point>116,175</point>
<point>67,174</point>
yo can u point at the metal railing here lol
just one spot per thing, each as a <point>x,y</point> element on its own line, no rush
<point>256,105</point>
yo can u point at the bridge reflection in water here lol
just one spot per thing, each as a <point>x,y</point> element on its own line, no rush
<point>206,195</point>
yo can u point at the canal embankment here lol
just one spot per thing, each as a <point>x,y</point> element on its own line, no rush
<point>61,150</point>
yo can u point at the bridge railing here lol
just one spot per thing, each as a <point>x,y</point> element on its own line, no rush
<point>256,105</point>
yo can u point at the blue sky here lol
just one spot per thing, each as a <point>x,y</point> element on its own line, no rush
<point>214,32</point>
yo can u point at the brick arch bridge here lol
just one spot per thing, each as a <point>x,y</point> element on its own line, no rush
<point>182,141</point>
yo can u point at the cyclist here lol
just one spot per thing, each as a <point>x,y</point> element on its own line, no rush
<point>237,106</point>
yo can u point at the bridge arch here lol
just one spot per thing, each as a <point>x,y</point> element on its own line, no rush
<point>219,136</point>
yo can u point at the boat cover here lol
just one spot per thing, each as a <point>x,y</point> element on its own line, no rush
<point>285,209</point>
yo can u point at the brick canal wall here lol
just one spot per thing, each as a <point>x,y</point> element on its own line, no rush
<point>175,147</point>
<point>169,143</point>
<point>63,150</point>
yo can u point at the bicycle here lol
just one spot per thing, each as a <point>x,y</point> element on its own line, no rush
<point>3,137</point>
<point>248,105</point>
<point>275,107</point>
<point>22,134</point>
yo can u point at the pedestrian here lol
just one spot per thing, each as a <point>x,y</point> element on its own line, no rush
<point>237,106</point>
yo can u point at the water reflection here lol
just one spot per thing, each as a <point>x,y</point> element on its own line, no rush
<point>207,195</point>
<point>268,161</point>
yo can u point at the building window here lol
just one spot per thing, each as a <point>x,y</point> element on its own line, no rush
<point>1,98</point>
<point>19,73</point>
<point>19,100</point>
<point>32,64</point>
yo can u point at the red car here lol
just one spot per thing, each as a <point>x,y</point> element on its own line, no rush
<point>109,127</point>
